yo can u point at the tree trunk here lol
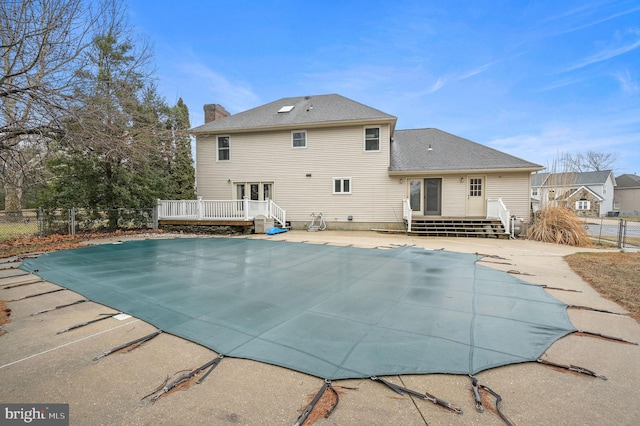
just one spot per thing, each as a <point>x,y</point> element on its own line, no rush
<point>13,180</point>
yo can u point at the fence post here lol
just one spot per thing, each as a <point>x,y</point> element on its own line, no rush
<point>72,221</point>
<point>154,217</point>
<point>40,222</point>
<point>200,210</point>
<point>621,231</point>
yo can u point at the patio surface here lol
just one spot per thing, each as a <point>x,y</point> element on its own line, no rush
<point>37,365</point>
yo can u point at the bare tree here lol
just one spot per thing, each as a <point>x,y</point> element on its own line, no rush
<point>41,43</point>
<point>589,161</point>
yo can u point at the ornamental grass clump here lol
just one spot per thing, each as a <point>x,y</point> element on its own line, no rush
<point>560,226</point>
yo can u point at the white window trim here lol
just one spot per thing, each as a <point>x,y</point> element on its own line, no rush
<point>342,179</point>
<point>587,205</point>
<point>305,139</point>
<point>364,137</point>
<point>218,147</point>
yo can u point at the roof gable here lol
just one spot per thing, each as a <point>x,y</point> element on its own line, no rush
<point>432,150</point>
<point>297,112</point>
<point>569,194</point>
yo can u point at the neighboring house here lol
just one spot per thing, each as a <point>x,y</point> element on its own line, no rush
<point>333,155</point>
<point>626,198</point>
<point>588,194</point>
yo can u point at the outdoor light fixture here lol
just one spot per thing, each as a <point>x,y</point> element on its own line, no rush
<point>461,179</point>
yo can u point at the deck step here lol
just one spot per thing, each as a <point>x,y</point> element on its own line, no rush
<point>458,227</point>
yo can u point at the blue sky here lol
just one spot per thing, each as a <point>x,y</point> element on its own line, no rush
<point>535,79</point>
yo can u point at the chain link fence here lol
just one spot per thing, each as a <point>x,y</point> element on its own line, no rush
<point>43,222</point>
<point>18,224</point>
<point>622,233</point>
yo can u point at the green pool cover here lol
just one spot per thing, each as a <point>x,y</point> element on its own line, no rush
<point>332,312</point>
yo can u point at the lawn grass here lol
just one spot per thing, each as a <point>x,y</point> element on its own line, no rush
<point>9,230</point>
<point>615,275</point>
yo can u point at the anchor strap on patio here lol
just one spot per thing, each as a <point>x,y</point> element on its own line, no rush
<point>498,404</point>
<point>589,308</point>
<point>39,280</point>
<point>37,294</point>
<point>59,307</point>
<point>478,399</point>
<point>305,414</point>
<point>604,336</point>
<point>163,389</point>
<point>212,366</point>
<point>136,342</point>
<point>82,324</point>
<point>400,390</point>
<point>574,368</point>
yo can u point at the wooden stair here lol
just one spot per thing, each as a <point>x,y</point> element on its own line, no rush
<point>458,227</point>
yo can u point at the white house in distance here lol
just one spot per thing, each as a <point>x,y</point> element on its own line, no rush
<point>333,155</point>
<point>588,194</point>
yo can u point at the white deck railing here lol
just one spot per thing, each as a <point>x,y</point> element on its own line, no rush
<point>407,213</point>
<point>497,210</point>
<point>199,209</point>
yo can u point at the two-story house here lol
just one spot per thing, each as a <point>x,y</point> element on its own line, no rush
<point>588,194</point>
<point>333,155</point>
<point>626,201</point>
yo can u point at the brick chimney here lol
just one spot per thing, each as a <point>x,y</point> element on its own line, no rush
<point>213,112</point>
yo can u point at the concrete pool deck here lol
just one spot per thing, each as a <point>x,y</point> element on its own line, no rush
<point>37,365</point>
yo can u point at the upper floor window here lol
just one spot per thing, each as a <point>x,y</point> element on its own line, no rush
<point>534,191</point>
<point>342,185</point>
<point>372,139</point>
<point>224,148</point>
<point>299,139</point>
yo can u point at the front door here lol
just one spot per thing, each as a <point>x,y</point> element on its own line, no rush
<point>432,197</point>
<point>476,200</point>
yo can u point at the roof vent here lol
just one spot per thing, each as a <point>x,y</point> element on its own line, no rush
<point>286,108</point>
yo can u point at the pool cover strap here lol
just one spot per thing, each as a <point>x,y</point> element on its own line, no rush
<point>305,414</point>
<point>136,342</point>
<point>574,368</point>
<point>400,390</point>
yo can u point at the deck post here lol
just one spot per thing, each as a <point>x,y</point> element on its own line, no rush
<point>245,208</point>
<point>199,208</point>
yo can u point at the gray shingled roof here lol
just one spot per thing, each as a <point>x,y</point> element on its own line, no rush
<point>628,181</point>
<point>307,110</point>
<point>538,179</point>
<point>574,179</point>
<point>410,152</point>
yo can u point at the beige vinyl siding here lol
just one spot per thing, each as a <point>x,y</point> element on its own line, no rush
<point>330,153</point>
<point>514,190</point>
<point>454,195</point>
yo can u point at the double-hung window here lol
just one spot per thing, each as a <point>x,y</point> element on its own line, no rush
<point>372,139</point>
<point>342,185</point>
<point>583,205</point>
<point>224,148</point>
<point>299,139</point>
